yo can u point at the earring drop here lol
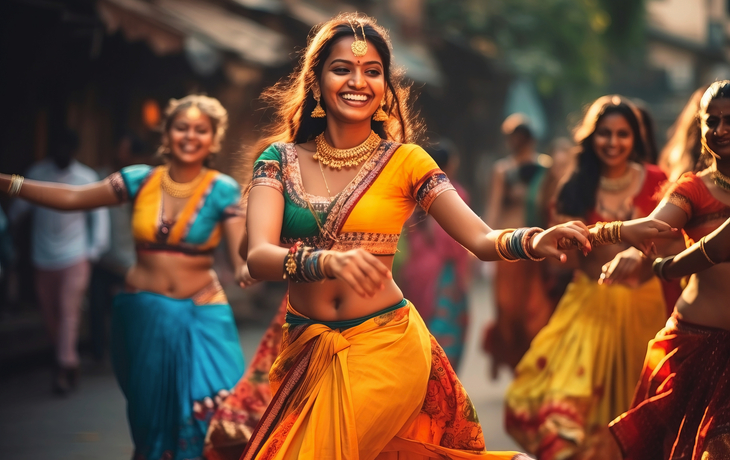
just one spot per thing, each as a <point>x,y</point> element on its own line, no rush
<point>380,114</point>
<point>318,111</point>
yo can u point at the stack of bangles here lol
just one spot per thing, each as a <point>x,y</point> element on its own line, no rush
<point>514,244</point>
<point>304,264</point>
<point>600,234</point>
<point>16,183</point>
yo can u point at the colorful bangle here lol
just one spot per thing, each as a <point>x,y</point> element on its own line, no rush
<point>500,245</point>
<point>303,264</point>
<point>526,239</point>
<point>702,248</point>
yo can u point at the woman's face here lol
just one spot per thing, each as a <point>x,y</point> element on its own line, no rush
<point>190,136</point>
<point>613,140</point>
<point>716,127</point>
<point>352,87</point>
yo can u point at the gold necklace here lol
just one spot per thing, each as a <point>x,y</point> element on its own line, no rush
<point>721,180</point>
<point>617,184</point>
<point>339,158</point>
<point>321,169</point>
<point>180,189</point>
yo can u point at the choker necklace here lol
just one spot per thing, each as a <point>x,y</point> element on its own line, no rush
<point>616,184</point>
<point>345,158</point>
<point>721,180</point>
<point>180,189</point>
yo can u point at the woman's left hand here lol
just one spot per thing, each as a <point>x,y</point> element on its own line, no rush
<point>639,233</point>
<point>243,277</point>
<point>204,410</point>
<point>545,244</point>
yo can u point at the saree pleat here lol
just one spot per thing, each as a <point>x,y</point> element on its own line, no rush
<point>681,409</point>
<point>168,353</point>
<point>382,389</point>
<point>582,367</point>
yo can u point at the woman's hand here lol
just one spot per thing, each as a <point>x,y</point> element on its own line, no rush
<point>639,233</point>
<point>546,244</point>
<point>623,266</point>
<point>362,271</point>
<point>244,278</point>
<point>204,410</point>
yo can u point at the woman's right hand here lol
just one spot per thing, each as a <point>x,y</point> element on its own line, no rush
<point>639,233</point>
<point>362,271</point>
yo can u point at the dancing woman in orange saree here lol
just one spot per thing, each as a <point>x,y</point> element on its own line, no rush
<point>359,376</point>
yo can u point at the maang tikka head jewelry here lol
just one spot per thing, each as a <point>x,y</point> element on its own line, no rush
<point>359,47</point>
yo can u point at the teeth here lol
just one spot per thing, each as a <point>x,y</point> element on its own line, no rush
<point>355,97</point>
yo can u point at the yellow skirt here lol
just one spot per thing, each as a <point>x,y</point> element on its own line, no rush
<point>380,389</point>
<point>582,367</point>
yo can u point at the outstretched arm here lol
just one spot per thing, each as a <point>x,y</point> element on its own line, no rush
<point>464,226</point>
<point>64,197</point>
<point>702,255</point>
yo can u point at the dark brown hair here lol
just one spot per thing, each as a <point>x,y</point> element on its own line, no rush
<point>293,101</point>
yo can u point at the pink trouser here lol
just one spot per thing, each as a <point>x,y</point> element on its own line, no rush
<point>60,293</point>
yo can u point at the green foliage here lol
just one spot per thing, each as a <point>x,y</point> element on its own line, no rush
<point>559,44</point>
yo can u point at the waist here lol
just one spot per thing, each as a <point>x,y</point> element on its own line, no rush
<point>295,318</point>
<point>145,246</point>
<point>211,294</point>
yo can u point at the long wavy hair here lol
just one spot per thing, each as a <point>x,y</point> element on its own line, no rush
<point>578,194</point>
<point>717,90</point>
<point>293,99</point>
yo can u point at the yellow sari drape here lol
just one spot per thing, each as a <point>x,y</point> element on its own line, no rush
<point>382,389</point>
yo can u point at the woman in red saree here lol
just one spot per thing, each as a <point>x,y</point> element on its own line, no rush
<point>681,408</point>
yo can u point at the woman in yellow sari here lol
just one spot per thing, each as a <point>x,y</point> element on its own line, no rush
<point>359,375</point>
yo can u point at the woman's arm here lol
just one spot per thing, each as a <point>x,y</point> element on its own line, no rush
<point>694,259</point>
<point>460,222</point>
<point>65,197</point>
<point>358,268</point>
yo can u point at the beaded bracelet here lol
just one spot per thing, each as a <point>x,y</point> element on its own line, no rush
<point>303,264</point>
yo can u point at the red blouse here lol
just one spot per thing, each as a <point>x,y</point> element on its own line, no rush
<point>704,212</point>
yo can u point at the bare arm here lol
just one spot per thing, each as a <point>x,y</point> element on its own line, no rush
<point>693,260</point>
<point>65,197</point>
<point>460,222</point>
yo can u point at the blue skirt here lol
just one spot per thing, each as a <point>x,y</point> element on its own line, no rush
<point>168,353</point>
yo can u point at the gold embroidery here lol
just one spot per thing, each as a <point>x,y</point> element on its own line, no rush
<point>374,243</point>
<point>681,201</point>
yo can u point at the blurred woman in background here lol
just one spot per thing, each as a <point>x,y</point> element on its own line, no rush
<point>581,368</point>
<point>173,337</point>
<point>514,202</point>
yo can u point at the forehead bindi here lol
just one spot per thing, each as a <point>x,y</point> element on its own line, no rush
<point>342,50</point>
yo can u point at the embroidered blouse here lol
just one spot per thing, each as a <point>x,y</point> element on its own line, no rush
<point>197,228</point>
<point>704,212</point>
<point>369,213</point>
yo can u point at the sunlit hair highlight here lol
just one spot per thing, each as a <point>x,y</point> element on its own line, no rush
<point>209,106</point>
<point>293,101</point>
<point>717,90</point>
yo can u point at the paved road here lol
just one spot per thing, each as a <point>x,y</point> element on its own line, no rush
<point>91,424</point>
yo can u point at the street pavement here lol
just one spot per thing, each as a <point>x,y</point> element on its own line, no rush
<point>91,423</point>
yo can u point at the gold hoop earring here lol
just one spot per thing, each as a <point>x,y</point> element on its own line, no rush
<point>318,111</point>
<point>380,114</point>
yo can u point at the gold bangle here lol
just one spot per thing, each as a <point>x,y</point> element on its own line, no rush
<point>702,248</point>
<point>498,242</point>
<point>16,183</point>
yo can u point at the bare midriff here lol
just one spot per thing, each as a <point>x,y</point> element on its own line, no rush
<point>704,300</point>
<point>175,275</point>
<point>335,300</point>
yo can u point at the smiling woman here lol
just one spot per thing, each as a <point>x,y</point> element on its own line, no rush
<point>334,180</point>
<point>173,337</point>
